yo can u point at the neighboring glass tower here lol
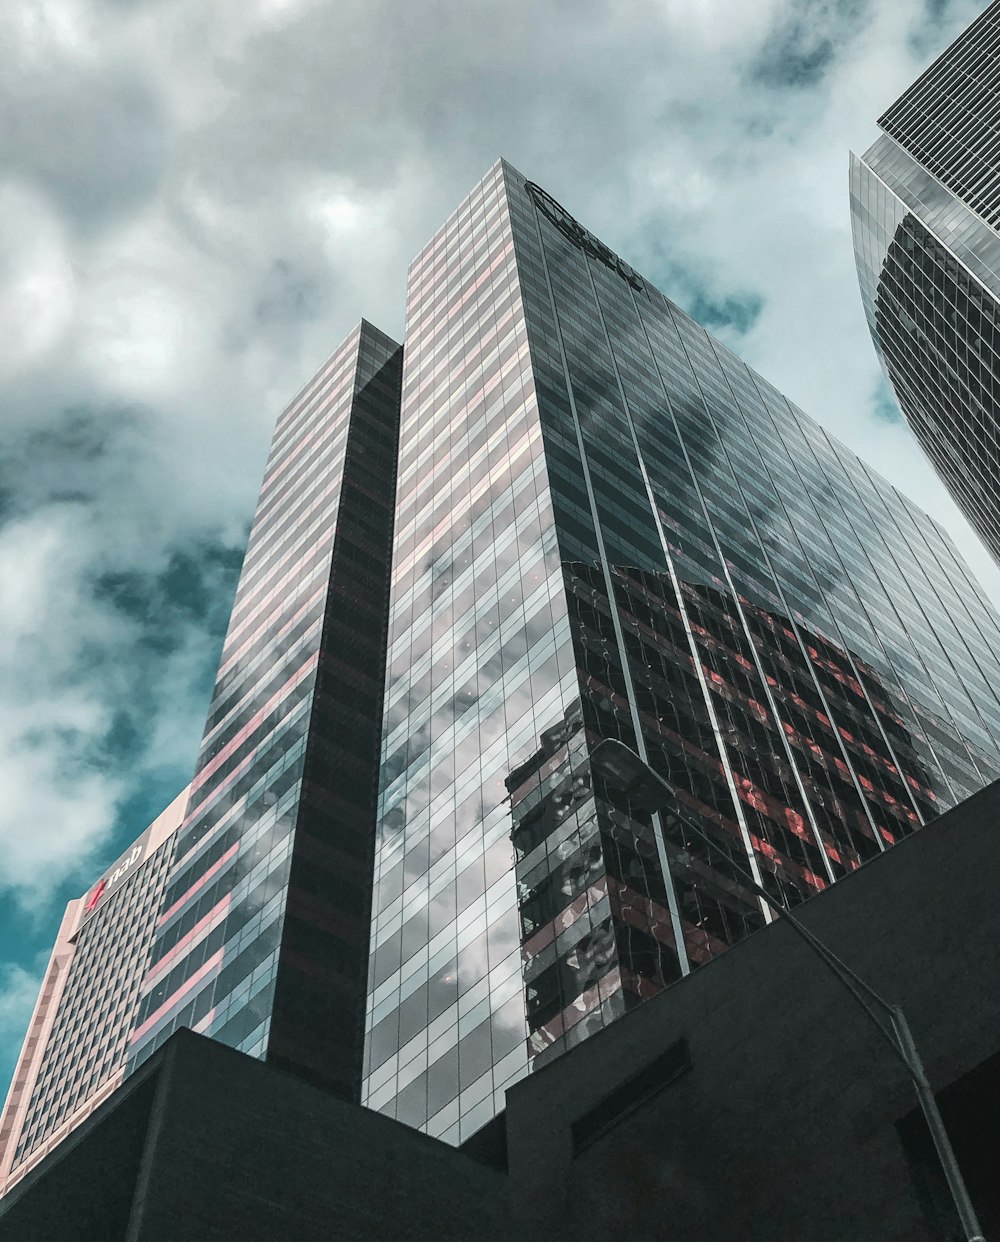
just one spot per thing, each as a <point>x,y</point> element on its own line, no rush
<point>925,204</point>
<point>76,1045</point>
<point>262,942</point>
<point>608,526</point>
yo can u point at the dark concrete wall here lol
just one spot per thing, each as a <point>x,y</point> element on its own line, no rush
<point>205,1143</point>
<point>84,1189</point>
<point>785,1125</point>
<point>245,1153</point>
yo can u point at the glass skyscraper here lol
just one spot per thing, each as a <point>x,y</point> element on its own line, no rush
<point>925,204</point>
<point>608,526</point>
<point>262,941</point>
<point>563,513</point>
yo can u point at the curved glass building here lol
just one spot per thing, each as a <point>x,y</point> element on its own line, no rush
<point>925,208</point>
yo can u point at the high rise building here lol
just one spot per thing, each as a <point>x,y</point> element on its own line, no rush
<point>262,942</point>
<point>925,207</point>
<point>565,514</point>
<point>75,1049</point>
<point>608,526</point>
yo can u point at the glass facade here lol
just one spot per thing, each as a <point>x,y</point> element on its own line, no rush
<point>947,120</point>
<point>262,941</point>
<point>609,526</point>
<point>479,662</point>
<point>925,206</point>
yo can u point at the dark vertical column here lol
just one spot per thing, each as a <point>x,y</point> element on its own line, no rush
<point>317,1021</point>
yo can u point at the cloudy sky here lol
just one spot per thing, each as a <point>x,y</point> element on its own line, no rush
<point>197,202</point>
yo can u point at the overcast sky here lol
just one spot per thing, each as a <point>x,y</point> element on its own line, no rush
<point>200,198</point>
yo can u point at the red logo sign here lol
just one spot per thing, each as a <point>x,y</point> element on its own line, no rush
<point>95,896</point>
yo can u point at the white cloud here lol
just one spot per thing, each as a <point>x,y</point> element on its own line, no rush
<point>36,280</point>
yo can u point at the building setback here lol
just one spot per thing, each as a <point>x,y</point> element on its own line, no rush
<point>753,1100</point>
<point>75,1048</point>
<point>262,942</point>
<point>609,527</point>
<point>925,208</point>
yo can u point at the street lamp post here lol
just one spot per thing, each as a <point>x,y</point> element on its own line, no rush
<point>622,767</point>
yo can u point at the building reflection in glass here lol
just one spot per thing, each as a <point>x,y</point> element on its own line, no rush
<point>600,921</point>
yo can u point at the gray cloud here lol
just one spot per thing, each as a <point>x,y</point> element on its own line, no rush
<point>803,45</point>
<point>96,144</point>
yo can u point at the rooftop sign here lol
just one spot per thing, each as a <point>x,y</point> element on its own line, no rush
<point>574,231</point>
<point>126,866</point>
